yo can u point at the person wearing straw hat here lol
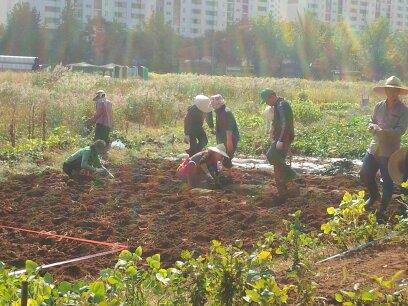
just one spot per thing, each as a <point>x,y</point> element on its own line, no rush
<point>388,123</point>
<point>226,128</point>
<point>193,124</point>
<point>87,158</point>
<point>103,117</point>
<point>282,137</point>
<point>203,166</point>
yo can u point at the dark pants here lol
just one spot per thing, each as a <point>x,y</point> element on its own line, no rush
<point>102,132</point>
<point>72,166</point>
<point>277,158</point>
<point>371,165</point>
<point>197,143</point>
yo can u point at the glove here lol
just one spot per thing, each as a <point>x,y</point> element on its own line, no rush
<point>374,127</point>
<point>187,139</point>
<point>279,145</point>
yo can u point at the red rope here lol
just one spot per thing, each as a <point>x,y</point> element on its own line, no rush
<point>48,234</point>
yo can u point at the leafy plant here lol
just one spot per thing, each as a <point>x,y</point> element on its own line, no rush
<point>385,291</point>
<point>350,225</point>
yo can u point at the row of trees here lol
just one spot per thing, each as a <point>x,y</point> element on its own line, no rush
<point>307,48</point>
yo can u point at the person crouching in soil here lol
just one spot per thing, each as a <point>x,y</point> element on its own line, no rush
<point>193,124</point>
<point>203,166</point>
<point>87,158</point>
<point>282,137</point>
<point>226,128</point>
<point>388,123</point>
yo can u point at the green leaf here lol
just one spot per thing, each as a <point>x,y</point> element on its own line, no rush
<point>351,294</point>
<point>31,267</point>
<point>339,297</point>
<point>279,250</point>
<point>48,278</point>
<point>125,255</point>
<point>113,280</point>
<point>367,296</point>
<point>64,287</point>
<point>326,228</point>
<point>264,255</point>
<point>331,210</point>
<point>139,251</point>
<point>253,296</point>
<point>98,289</point>
<point>132,271</point>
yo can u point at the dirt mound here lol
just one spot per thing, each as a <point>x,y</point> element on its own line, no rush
<point>147,205</point>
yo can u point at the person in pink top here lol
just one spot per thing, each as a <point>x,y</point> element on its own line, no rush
<point>103,117</point>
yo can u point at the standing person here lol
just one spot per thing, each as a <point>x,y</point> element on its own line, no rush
<point>103,117</point>
<point>226,128</point>
<point>203,166</point>
<point>87,158</point>
<point>193,124</point>
<point>282,137</point>
<point>388,123</point>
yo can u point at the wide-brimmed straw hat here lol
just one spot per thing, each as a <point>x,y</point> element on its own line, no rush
<point>203,103</point>
<point>220,149</point>
<point>396,166</point>
<point>392,82</point>
<point>99,94</point>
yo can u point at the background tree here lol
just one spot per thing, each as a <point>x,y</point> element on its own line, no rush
<point>23,34</point>
<point>375,40</point>
<point>68,44</point>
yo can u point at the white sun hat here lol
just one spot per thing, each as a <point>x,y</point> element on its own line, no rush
<point>220,149</point>
<point>203,103</point>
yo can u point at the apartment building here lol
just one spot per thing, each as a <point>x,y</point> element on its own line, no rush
<point>193,18</point>
<point>356,12</point>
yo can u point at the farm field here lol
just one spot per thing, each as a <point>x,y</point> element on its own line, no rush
<point>217,247</point>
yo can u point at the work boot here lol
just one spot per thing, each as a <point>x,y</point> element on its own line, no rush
<point>381,217</point>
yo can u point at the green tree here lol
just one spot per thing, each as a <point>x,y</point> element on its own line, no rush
<point>68,42</point>
<point>375,40</point>
<point>23,32</point>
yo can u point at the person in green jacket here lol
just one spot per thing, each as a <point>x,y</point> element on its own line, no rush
<point>87,158</point>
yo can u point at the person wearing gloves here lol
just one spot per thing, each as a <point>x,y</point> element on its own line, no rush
<point>87,158</point>
<point>282,137</point>
<point>203,166</point>
<point>226,128</point>
<point>103,117</point>
<point>388,123</point>
<point>193,124</point>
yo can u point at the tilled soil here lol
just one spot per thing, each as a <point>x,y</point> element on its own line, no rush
<point>146,205</point>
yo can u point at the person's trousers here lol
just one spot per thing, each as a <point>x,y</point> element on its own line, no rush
<point>102,132</point>
<point>197,143</point>
<point>69,167</point>
<point>371,165</point>
<point>277,158</point>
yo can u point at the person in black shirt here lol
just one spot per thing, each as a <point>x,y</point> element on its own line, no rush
<point>193,124</point>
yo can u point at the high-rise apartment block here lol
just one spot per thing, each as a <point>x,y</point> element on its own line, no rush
<point>192,18</point>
